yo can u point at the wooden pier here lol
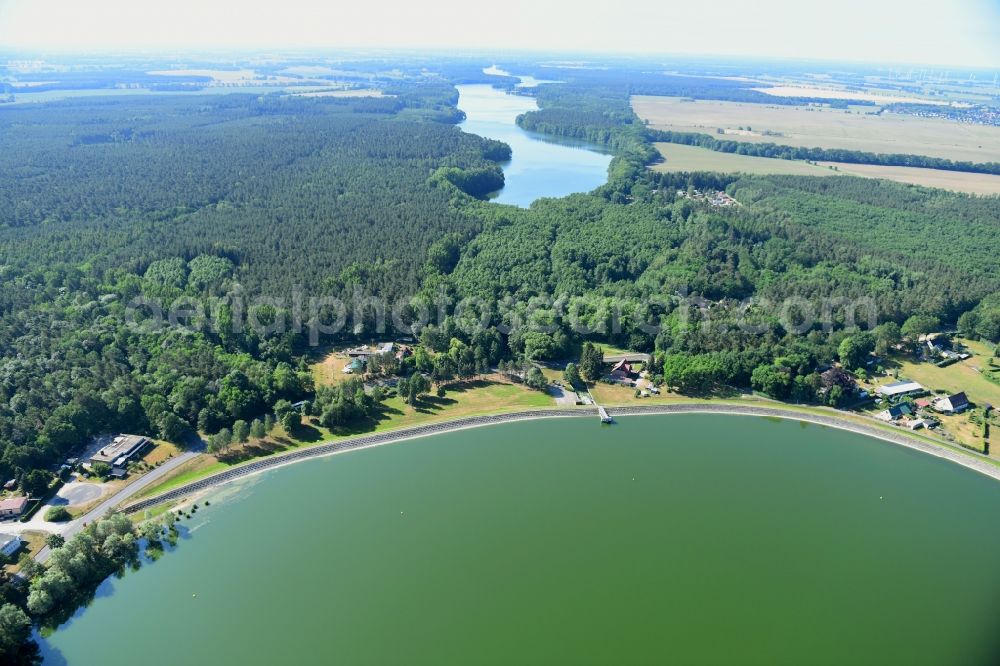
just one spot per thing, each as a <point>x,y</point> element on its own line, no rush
<point>605,417</point>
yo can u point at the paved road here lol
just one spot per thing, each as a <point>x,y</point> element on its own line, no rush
<point>72,527</point>
<point>76,493</point>
<point>631,358</point>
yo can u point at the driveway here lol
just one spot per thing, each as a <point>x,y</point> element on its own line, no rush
<point>564,397</point>
<point>76,493</point>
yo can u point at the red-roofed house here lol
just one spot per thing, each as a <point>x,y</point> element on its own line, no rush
<point>622,372</point>
<point>13,506</point>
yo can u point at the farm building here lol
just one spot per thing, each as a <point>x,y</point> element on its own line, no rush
<point>899,389</point>
<point>364,351</point>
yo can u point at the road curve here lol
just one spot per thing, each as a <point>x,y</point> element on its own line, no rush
<point>69,529</point>
<point>979,464</point>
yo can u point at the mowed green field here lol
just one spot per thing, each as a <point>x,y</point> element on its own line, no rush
<point>855,129</point>
<point>678,158</point>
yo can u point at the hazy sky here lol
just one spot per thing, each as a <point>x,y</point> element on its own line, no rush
<point>946,32</point>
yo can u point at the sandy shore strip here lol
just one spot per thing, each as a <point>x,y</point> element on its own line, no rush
<point>970,460</point>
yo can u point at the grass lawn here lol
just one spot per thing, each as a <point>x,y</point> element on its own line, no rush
<point>964,430</point>
<point>329,368</point>
<point>961,376</point>
<point>33,542</point>
<point>478,397</point>
<point>611,350</point>
<point>160,452</point>
<point>616,395</point>
<point>151,513</point>
<point>955,378</point>
<point>484,396</point>
<point>194,469</point>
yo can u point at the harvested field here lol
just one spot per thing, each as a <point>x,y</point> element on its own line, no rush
<point>823,127</point>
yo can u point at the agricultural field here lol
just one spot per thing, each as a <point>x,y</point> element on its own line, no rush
<point>850,129</point>
<point>834,93</point>
<point>342,92</point>
<point>956,181</point>
<point>678,158</point>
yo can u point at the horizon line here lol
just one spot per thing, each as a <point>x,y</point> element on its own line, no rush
<point>456,52</point>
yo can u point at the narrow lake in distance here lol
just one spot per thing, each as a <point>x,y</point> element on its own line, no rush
<point>691,539</point>
<point>540,166</point>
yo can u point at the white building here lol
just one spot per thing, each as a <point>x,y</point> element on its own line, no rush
<point>953,404</point>
<point>9,543</point>
<point>899,389</point>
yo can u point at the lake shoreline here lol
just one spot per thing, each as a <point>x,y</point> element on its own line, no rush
<point>539,167</point>
<point>362,442</point>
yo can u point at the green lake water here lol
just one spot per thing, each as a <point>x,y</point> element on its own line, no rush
<point>691,539</point>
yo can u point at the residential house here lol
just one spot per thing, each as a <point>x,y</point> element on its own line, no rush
<point>952,404</point>
<point>622,372</point>
<point>939,345</point>
<point>894,413</point>
<point>12,507</point>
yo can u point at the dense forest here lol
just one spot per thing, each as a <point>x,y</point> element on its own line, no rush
<point>111,199</point>
<point>227,198</point>
<point>221,200</point>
